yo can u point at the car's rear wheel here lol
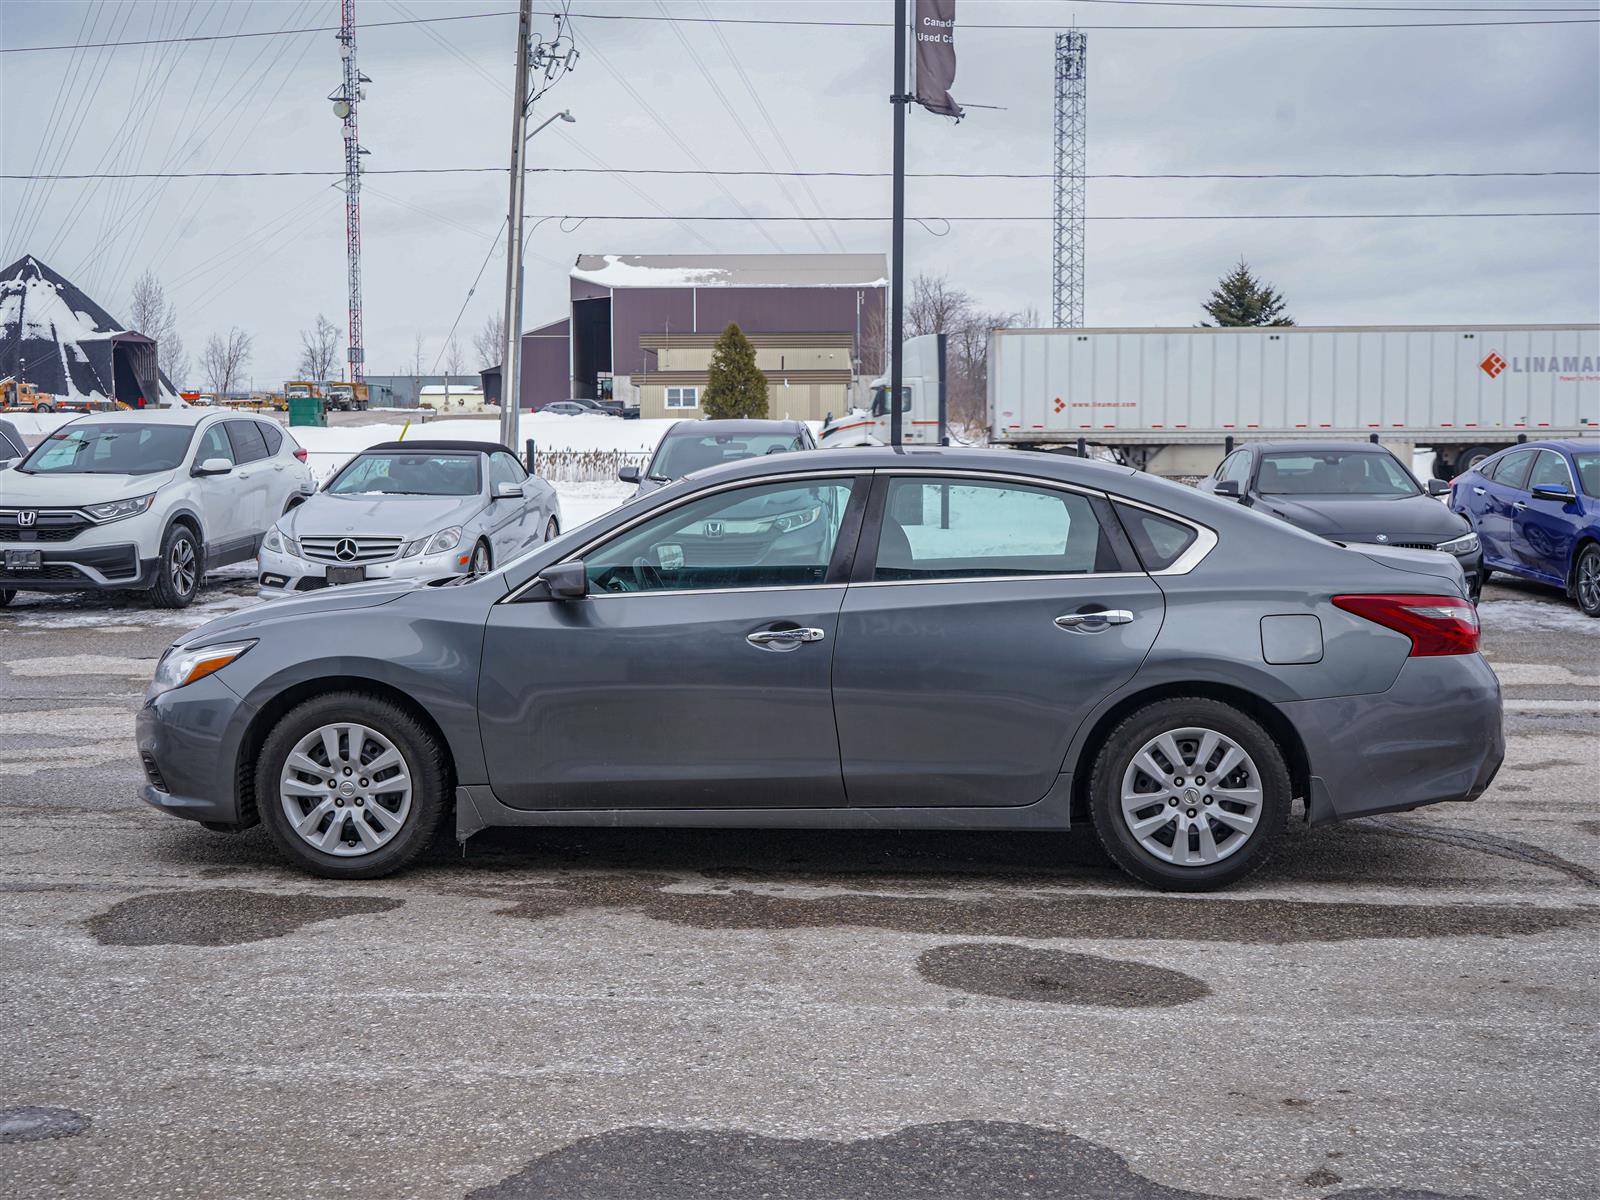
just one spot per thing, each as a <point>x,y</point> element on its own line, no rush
<point>179,569</point>
<point>351,786</point>
<point>1586,581</point>
<point>1189,794</point>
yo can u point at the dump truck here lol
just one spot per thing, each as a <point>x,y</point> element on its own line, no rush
<point>19,396</point>
<point>346,397</point>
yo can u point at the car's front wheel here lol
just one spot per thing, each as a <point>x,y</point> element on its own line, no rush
<point>179,569</point>
<point>6,595</point>
<point>351,786</point>
<point>1586,581</point>
<point>1189,794</point>
<point>482,559</point>
<point>552,530</point>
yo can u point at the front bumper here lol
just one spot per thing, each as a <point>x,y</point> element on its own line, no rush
<point>1435,735</point>
<point>188,741</point>
<point>283,574</point>
<point>71,567</point>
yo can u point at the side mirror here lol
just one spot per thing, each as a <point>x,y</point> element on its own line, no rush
<point>1228,487</point>
<point>628,474</point>
<point>505,490</point>
<point>7,463</point>
<point>1545,491</point>
<point>1438,487</point>
<point>213,466</point>
<point>565,581</point>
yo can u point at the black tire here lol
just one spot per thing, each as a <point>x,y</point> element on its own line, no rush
<point>487,564</point>
<point>425,760</point>
<point>1471,457</point>
<point>6,596</point>
<point>552,530</point>
<point>174,587</point>
<point>1585,592</point>
<point>1129,737</point>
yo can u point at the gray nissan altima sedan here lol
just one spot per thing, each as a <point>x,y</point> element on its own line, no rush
<point>863,638</point>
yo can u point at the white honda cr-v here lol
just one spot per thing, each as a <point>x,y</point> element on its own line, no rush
<point>145,500</point>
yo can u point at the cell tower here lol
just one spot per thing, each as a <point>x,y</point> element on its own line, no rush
<point>345,101</point>
<point>1066,281</point>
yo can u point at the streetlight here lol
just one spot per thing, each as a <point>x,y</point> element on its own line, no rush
<point>511,361</point>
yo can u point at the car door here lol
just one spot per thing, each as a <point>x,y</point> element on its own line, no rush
<point>253,479</point>
<point>989,617</point>
<point>512,525</point>
<point>222,519</point>
<point>697,671</point>
<point>1501,492</point>
<point>1543,531</point>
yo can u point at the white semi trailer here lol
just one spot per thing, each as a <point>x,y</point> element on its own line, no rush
<point>1171,400</point>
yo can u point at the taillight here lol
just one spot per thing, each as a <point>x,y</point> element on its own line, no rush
<point>300,454</point>
<point>1435,624</point>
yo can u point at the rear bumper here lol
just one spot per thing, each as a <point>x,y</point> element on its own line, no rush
<point>1435,735</point>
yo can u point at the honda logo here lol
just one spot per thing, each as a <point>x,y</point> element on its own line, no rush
<point>345,550</point>
<point>713,529</point>
<point>27,518</point>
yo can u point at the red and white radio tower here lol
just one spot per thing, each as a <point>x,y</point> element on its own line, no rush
<point>345,102</point>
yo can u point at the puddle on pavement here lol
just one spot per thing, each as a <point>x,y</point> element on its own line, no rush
<point>941,907</point>
<point>955,1160</point>
<point>1056,977</point>
<point>30,1124</point>
<point>222,916</point>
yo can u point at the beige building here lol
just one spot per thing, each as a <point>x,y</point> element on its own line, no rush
<point>808,374</point>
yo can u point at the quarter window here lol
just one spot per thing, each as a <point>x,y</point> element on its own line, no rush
<point>969,529</point>
<point>1160,541</point>
<point>683,397</point>
<point>273,436</point>
<point>775,535</point>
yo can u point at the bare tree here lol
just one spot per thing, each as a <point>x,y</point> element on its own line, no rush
<point>224,359</point>
<point>935,306</point>
<point>319,350</point>
<point>490,341</point>
<point>454,364</point>
<point>152,314</point>
<point>416,355</point>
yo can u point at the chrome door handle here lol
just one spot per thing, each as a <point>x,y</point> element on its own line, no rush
<point>1477,491</point>
<point>1110,616</point>
<point>791,637</point>
<point>1520,505</point>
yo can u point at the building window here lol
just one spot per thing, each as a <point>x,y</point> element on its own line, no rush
<point>683,397</point>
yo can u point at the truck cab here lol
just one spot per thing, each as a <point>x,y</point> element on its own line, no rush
<point>919,403</point>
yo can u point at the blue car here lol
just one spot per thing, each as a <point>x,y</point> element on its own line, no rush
<point>1536,510</point>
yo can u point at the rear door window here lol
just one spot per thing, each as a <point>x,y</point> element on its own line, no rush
<point>949,528</point>
<point>248,444</point>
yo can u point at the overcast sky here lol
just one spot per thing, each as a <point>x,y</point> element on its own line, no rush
<point>268,254</point>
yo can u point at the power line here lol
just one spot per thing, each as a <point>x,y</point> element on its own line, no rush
<point>1168,175</point>
<point>816,23</point>
<point>1362,216</point>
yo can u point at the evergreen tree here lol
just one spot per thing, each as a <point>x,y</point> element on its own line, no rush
<point>1242,299</point>
<point>735,386</point>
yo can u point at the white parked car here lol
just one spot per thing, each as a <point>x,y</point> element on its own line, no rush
<point>147,500</point>
<point>411,510</point>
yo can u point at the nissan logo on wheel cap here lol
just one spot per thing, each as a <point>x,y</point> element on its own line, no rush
<point>345,549</point>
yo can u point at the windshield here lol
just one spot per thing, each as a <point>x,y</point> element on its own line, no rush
<point>408,474</point>
<point>109,448</point>
<point>1588,462</point>
<point>681,455</point>
<point>1333,473</point>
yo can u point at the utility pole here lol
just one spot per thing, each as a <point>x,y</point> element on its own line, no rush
<point>1066,281</point>
<point>511,363</point>
<point>345,103</point>
<point>897,252</point>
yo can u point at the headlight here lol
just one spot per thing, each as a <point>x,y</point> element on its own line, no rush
<point>1467,543</point>
<point>280,543</point>
<point>789,522</point>
<point>179,668</point>
<point>115,510</point>
<point>445,539</point>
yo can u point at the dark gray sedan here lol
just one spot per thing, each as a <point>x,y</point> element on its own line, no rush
<point>861,639</point>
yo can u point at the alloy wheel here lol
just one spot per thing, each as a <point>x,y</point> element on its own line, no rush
<point>480,559</point>
<point>182,566</point>
<point>345,789</point>
<point>1191,797</point>
<point>1589,583</point>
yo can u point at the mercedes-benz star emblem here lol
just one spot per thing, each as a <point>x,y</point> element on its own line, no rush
<point>345,549</point>
<point>27,518</point>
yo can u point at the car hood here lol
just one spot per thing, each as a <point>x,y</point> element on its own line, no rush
<point>18,488</point>
<point>378,516</point>
<point>1406,519</point>
<point>293,608</point>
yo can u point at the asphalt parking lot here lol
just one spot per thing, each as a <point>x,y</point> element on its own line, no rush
<point>1399,1007</point>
